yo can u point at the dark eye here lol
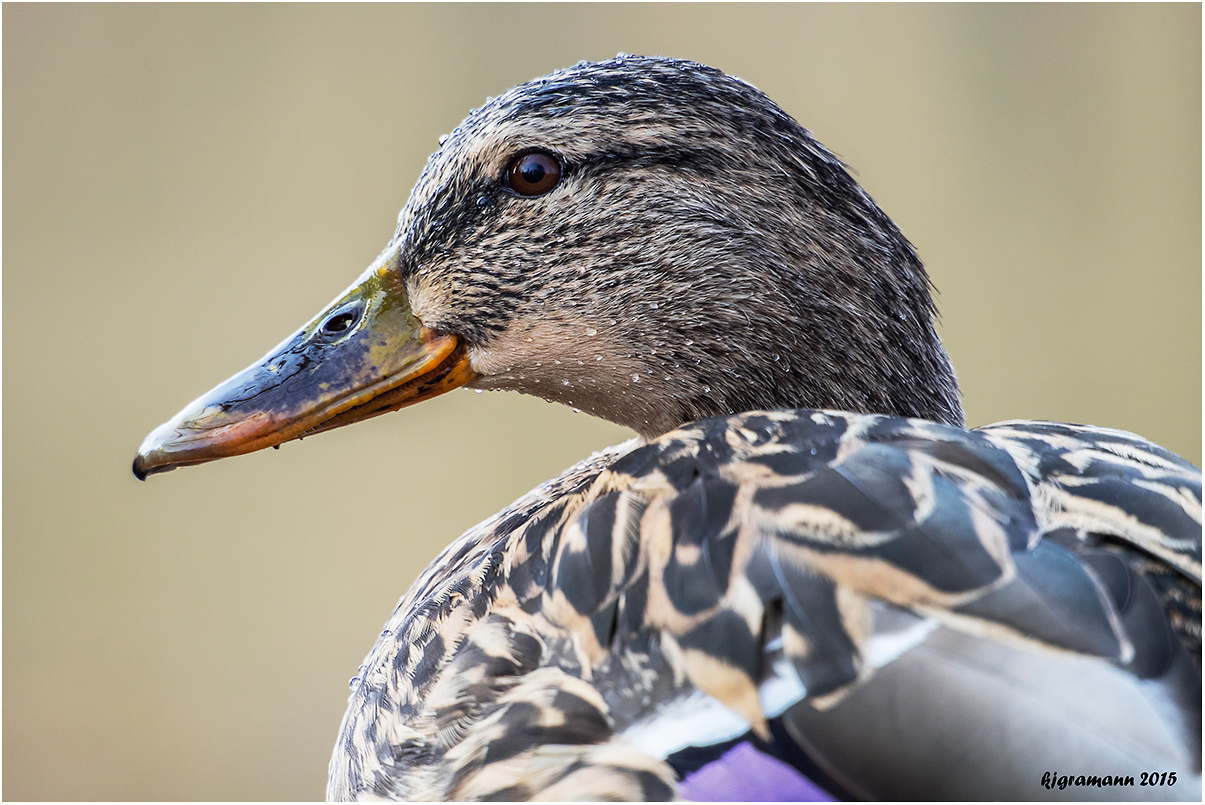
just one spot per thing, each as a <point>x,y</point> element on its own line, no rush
<point>533,174</point>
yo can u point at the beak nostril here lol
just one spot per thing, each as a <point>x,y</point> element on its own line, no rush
<point>340,322</point>
<point>337,324</point>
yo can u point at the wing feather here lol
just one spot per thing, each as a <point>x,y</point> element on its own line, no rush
<point>814,573</point>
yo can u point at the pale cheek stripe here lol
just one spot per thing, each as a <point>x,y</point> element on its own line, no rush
<point>745,774</point>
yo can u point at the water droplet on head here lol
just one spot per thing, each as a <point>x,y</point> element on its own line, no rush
<point>652,305</point>
<point>355,681</point>
<point>635,377</point>
<point>774,356</point>
<point>591,331</point>
<point>564,382</point>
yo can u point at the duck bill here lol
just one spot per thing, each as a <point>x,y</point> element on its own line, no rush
<point>365,355</point>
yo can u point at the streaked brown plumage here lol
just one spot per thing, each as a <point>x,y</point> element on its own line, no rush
<point>761,235</point>
<point>898,607</point>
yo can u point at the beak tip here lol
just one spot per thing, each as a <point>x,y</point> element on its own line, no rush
<point>151,454</point>
<point>167,447</point>
<point>151,463</point>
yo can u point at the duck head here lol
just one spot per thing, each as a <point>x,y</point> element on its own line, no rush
<point>648,240</point>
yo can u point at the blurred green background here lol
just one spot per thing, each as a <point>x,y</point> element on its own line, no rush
<point>184,185</point>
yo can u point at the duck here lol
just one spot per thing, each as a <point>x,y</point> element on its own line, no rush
<point>804,577</point>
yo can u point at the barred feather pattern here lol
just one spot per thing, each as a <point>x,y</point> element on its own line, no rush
<point>740,552</point>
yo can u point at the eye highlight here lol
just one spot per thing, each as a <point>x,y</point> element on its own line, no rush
<point>533,174</point>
